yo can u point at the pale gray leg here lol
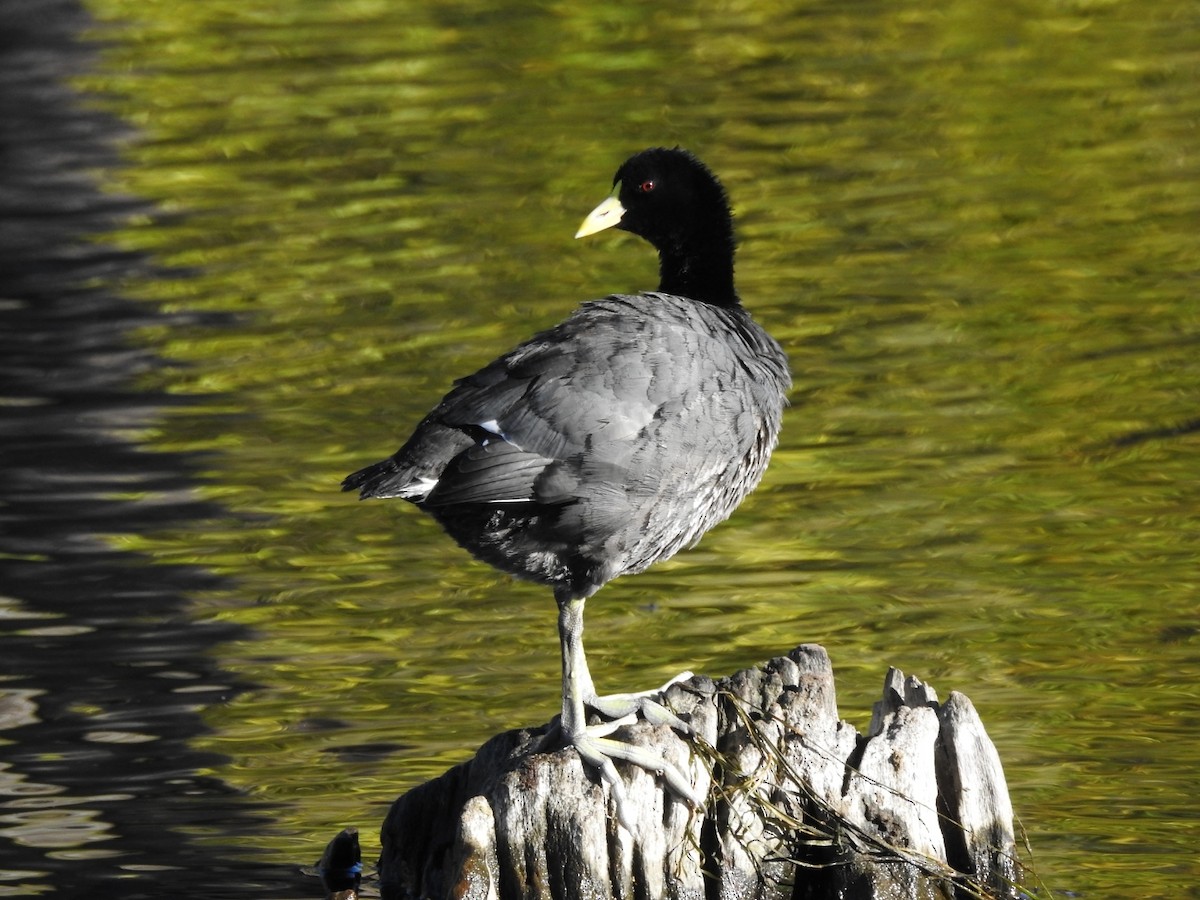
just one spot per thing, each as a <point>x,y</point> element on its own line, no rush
<point>590,742</point>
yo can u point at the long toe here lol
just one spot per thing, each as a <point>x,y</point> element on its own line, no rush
<point>647,704</point>
<point>599,752</point>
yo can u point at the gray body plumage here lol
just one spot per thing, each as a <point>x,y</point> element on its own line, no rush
<point>600,446</point>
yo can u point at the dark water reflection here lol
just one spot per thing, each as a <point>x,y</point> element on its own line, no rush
<point>106,671</point>
<point>973,230</point>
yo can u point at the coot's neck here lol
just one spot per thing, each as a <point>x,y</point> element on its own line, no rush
<point>700,270</point>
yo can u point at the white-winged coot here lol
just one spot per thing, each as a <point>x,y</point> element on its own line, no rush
<point>613,440</point>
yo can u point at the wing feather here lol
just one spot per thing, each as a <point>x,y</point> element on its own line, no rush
<point>494,472</point>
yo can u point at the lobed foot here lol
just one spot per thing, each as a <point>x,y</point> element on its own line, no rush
<point>600,752</point>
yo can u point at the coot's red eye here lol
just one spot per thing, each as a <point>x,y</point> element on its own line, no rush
<point>646,187</point>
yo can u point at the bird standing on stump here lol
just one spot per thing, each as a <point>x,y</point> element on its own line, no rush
<point>611,441</point>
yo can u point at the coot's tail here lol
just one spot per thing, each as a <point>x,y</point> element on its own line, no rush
<point>413,470</point>
<point>382,479</point>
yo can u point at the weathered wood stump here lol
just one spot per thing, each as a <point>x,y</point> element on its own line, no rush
<point>800,805</point>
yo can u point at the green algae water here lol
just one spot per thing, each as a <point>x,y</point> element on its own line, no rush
<point>972,226</point>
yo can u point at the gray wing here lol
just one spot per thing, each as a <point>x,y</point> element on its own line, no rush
<point>548,417</point>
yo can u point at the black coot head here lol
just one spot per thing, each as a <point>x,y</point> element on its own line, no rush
<point>675,202</point>
<point>668,196</point>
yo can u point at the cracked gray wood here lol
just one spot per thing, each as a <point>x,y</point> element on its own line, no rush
<point>800,805</point>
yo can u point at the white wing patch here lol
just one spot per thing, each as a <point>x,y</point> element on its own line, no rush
<point>418,489</point>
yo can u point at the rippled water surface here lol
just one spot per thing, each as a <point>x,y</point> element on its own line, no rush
<point>250,244</point>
